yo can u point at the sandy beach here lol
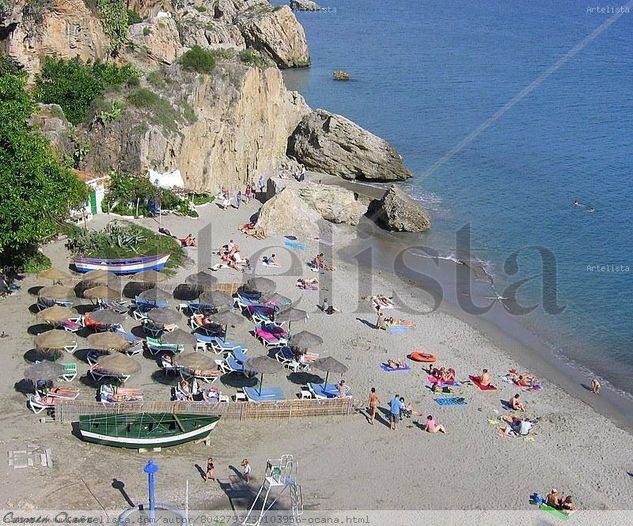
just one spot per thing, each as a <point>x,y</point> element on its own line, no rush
<point>344,463</point>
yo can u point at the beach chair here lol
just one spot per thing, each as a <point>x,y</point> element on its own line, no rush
<point>243,300</point>
<point>38,403</point>
<point>271,335</point>
<point>92,325</point>
<point>99,374</point>
<point>70,371</point>
<point>66,393</point>
<point>286,357</point>
<point>168,366</point>
<point>71,348</point>
<point>215,343</point>
<point>261,313</point>
<point>44,303</point>
<point>239,355</point>
<point>267,394</point>
<point>109,395</point>
<point>72,324</point>
<point>230,365</point>
<point>119,306</point>
<point>131,339</point>
<point>211,395</point>
<point>208,376</point>
<point>155,346</point>
<point>322,391</point>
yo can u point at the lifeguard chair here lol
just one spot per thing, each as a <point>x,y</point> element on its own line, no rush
<point>280,476</point>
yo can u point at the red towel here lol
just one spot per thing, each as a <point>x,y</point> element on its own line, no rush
<point>475,380</point>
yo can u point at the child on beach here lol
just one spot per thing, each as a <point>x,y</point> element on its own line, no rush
<point>210,474</point>
<point>246,470</point>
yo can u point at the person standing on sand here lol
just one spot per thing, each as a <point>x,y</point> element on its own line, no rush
<point>595,386</point>
<point>373,402</point>
<point>246,470</point>
<point>395,408</point>
<point>238,199</point>
<point>210,474</point>
<point>380,322</point>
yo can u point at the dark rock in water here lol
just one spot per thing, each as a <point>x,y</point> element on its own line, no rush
<point>398,212</point>
<point>330,143</point>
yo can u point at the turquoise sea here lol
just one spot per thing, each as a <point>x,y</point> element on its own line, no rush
<point>506,112</point>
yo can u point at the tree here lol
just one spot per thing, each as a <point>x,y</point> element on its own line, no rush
<point>36,191</point>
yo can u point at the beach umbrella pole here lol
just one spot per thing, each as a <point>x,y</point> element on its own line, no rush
<point>261,379</point>
<point>327,374</point>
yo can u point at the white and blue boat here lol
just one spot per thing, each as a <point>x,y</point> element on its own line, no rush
<point>121,266</point>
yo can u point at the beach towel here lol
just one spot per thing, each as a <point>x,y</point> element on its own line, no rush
<point>553,511</point>
<point>397,329</point>
<point>452,400</point>
<point>475,380</point>
<point>294,244</point>
<point>444,393</point>
<point>388,369</point>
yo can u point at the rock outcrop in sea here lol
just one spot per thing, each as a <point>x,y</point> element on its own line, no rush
<point>304,5</point>
<point>398,212</point>
<point>327,142</point>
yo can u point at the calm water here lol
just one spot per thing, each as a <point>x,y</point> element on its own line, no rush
<point>426,74</point>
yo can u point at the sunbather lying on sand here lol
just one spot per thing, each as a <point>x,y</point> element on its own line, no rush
<point>516,426</point>
<point>392,322</point>
<point>270,261</point>
<point>188,241</point>
<point>380,300</point>
<point>443,388</point>
<point>308,284</point>
<point>393,364</point>
<point>524,379</point>
<point>250,230</point>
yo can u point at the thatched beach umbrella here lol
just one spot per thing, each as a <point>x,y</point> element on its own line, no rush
<point>101,292</point>
<point>305,340</point>
<point>54,274</point>
<point>164,316</point>
<point>179,337</point>
<point>155,295</point>
<point>291,314</point>
<point>98,275</point>
<point>263,285</point>
<point>118,364</point>
<point>55,314</point>
<point>107,341</point>
<point>149,276</point>
<point>55,340</point>
<point>329,365</point>
<point>227,318</point>
<point>44,372</point>
<point>202,280</point>
<point>195,360</point>
<point>262,365</point>
<point>56,292</point>
<point>135,288</point>
<point>106,317</point>
<point>216,299</point>
<point>186,292</point>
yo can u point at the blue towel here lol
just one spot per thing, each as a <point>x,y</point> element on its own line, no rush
<point>267,394</point>
<point>388,369</point>
<point>452,400</point>
<point>398,328</point>
<point>294,244</point>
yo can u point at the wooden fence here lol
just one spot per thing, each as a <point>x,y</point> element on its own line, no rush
<point>71,410</point>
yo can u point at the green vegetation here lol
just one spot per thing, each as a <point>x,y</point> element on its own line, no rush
<point>143,98</point>
<point>133,17</point>
<point>36,190</point>
<point>200,199</point>
<point>147,31</point>
<point>121,239</point>
<point>8,66</point>
<point>253,58</point>
<point>160,111</point>
<point>114,18</point>
<point>188,112</point>
<point>36,262</point>
<point>198,60</point>
<point>75,85</point>
<point>200,8</point>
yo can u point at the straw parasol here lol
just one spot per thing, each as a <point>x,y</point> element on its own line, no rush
<point>101,292</point>
<point>56,292</point>
<point>44,372</point>
<point>155,295</point>
<point>55,340</point>
<point>305,340</point>
<point>226,318</point>
<point>195,360</point>
<point>118,364</point>
<point>55,314</point>
<point>263,285</point>
<point>262,365</point>
<point>151,276</point>
<point>216,299</point>
<point>179,337</point>
<point>98,275</point>
<point>202,280</point>
<point>107,341</point>
<point>106,317</point>
<point>164,316</point>
<point>329,365</point>
<point>186,292</point>
<point>291,314</point>
<point>54,274</point>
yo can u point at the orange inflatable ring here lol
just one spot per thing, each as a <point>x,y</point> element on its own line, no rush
<point>422,357</point>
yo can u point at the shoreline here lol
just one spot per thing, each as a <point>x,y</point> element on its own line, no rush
<point>517,338</point>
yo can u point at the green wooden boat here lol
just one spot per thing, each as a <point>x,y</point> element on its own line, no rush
<point>145,430</point>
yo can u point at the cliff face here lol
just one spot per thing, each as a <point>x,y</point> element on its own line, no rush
<point>238,129</point>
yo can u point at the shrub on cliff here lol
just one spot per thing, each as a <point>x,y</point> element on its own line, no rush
<point>198,60</point>
<point>75,85</point>
<point>36,191</point>
<point>253,58</point>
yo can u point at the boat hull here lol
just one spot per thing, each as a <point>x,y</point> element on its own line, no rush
<point>136,438</point>
<point>122,266</point>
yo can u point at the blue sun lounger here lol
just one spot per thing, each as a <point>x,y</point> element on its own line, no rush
<point>268,394</point>
<point>321,391</point>
<point>239,354</point>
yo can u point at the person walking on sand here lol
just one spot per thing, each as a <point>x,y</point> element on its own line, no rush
<point>210,474</point>
<point>395,408</point>
<point>595,386</point>
<point>373,402</point>
<point>246,470</point>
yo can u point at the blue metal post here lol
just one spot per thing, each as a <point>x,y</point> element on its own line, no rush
<point>151,469</point>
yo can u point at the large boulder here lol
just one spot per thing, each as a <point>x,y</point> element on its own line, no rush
<point>158,37</point>
<point>213,26</point>
<point>276,33</point>
<point>304,5</point>
<point>398,212</point>
<point>330,143</point>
